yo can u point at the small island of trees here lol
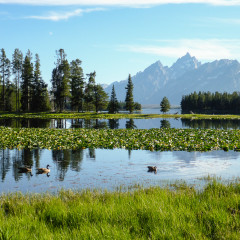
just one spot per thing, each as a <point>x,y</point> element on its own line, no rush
<point>211,102</point>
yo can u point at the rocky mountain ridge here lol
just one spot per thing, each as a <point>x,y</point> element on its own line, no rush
<point>185,76</point>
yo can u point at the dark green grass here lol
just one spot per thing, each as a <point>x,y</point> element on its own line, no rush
<point>152,213</point>
<point>152,139</point>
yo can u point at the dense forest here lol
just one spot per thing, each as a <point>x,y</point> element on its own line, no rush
<point>206,101</point>
<point>22,87</point>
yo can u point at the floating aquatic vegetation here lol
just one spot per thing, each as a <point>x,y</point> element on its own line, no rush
<point>148,139</point>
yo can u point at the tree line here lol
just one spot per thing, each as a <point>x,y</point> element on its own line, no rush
<point>22,87</point>
<point>207,101</point>
<point>26,91</point>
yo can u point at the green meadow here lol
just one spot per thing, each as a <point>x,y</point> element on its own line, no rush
<point>153,213</point>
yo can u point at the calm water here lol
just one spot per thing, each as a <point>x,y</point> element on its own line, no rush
<point>108,169</point>
<point>122,123</point>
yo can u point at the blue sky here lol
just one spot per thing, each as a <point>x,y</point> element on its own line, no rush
<point>115,38</point>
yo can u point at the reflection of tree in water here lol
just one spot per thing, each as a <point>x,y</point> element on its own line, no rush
<point>5,162</point>
<point>99,124</point>
<point>27,123</point>
<point>62,160</point>
<point>25,157</point>
<point>61,123</point>
<point>130,124</point>
<point>91,153</point>
<point>129,154</point>
<point>34,123</point>
<point>190,157</point>
<point>165,124</point>
<point>113,123</point>
<point>66,158</point>
<point>76,159</point>
<point>37,154</point>
<point>77,123</point>
<point>211,124</point>
<point>7,122</point>
<point>88,123</point>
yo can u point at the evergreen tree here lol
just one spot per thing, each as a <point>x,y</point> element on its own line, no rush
<point>129,95</point>
<point>164,105</point>
<point>89,91</point>
<point>9,88</point>
<point>100,98</point>
<point>40,98</point>
<point>5,76</point>
<point>113,106</point>
<point>27,82</point>
<point>61,81</point>
<point>65,90</point>
<point>77,85</point>
<point>17,65</point>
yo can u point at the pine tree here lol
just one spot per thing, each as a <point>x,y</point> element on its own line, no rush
<point>8,89</point>
<point>27,82</point>
<point>113,106</point>
<point>61,81</point>
<point>164,105</point>
<point>40,98</point>
<point>17,65</point>
<point>5,76</point>
<point>100,98</point>
<point>77,85</point>
<point>89,92</point>
<point>129,95</point>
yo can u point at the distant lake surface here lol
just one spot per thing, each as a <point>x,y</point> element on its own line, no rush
<point>109,169</point>
<point>123,123</point>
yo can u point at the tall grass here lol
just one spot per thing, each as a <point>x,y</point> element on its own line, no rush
<point>152,213</point>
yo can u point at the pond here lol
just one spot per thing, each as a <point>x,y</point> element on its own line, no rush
<point>123,123</point>
<point>109,169</point>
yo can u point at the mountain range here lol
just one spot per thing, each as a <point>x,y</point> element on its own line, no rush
<point>185,76</point>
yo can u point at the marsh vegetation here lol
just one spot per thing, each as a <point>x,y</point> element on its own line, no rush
<point>157,213</point>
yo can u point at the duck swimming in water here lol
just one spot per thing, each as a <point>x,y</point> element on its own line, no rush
<point>152,169</point>
<point>43,170</point>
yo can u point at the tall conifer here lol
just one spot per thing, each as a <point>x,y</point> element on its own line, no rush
<point>113,105</point>
<point>77,85</point>
<point>27,82</point>
<point>129,95</point>
<point>17,65</point>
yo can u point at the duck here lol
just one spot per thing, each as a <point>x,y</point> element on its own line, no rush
<point>43,170</point>
<point>25,169</point>
<point>152,169</point>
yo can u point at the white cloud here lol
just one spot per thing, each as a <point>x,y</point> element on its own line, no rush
<point>119,2</point>
<point>57,16</point>
<point>206,50</point>
<point>226,20</point>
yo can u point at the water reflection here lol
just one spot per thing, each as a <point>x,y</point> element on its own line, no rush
<point>211,124</point>
<point>130,124</point>
<point>100,168</point>
<point>165,124</point>
<point>26,123</point>
<point>113,123</point>
<point>123,123</point>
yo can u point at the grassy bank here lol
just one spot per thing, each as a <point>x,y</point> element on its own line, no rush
<point>92,115</point>
<point>152,139</point>
<point>152,213</point>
